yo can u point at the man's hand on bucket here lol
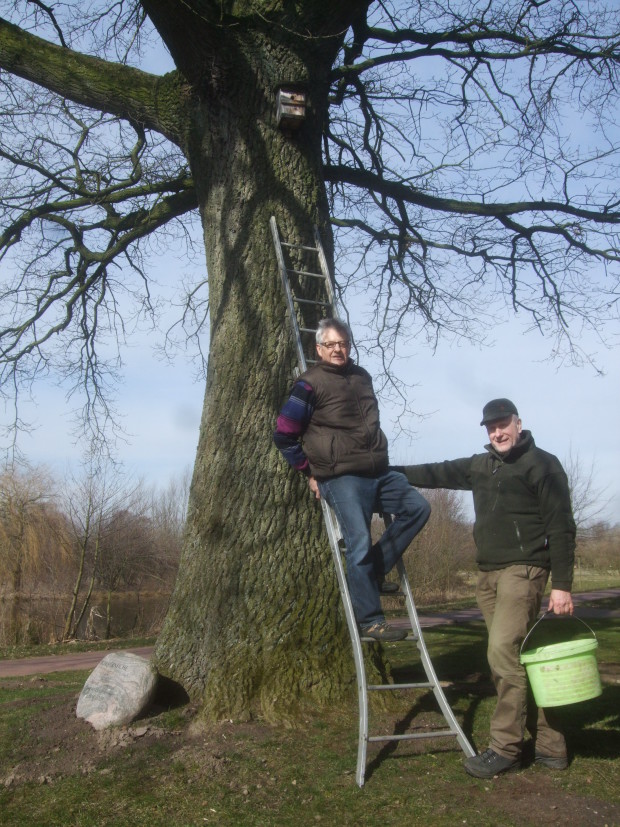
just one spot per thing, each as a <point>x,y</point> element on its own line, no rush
<point>560,602</point>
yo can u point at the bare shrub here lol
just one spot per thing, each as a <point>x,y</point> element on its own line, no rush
<point>442,555</point>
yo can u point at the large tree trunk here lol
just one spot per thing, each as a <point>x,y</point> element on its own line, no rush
<point>255,620</point>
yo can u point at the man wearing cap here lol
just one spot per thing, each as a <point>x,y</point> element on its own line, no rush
<point>524,531</point>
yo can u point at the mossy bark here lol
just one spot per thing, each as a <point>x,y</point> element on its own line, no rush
<point>255,622</point>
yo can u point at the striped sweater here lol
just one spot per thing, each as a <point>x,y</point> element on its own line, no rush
<point>292,423</point>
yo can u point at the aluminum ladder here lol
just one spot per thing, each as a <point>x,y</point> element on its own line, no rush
<point>323,304</point>
<point>320,304</point>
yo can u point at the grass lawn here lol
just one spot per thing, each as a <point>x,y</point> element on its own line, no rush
<point>167,770</point>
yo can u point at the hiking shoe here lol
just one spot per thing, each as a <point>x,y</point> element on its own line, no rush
<point>388,587</point>
<point>550,762</point>
<point>490,763</point>
<point>383,631</point>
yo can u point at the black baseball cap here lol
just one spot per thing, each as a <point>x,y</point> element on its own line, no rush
<point>498,409</point>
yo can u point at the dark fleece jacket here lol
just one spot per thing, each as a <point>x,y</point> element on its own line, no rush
<point>522,506</point>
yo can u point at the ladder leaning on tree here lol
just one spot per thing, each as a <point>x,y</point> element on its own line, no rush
<point>309,292</point>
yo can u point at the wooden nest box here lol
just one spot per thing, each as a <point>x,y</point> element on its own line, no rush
<point>291,101</point>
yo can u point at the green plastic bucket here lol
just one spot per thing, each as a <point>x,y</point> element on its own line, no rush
<point>562,673</point>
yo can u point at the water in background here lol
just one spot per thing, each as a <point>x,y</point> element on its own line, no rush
<point>41,618</point>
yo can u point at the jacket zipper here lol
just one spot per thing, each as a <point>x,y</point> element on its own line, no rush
<point>518,533</point>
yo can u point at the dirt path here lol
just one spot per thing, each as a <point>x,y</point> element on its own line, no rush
<point>67,662</point>
<point>466,615</point>
<point>88,660</point>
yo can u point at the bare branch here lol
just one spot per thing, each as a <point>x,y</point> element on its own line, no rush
<point>110,87</point>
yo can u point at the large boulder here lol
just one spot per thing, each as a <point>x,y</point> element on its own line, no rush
<point>117,690</point>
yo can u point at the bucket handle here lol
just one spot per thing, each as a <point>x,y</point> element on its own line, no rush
<point>543,616</point>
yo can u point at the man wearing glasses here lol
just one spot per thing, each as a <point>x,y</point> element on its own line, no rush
<point>329,430</point>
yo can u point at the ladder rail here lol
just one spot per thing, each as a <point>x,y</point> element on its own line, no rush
<point>432,683</point>
<point>301,356</point>
<point>334,536</point>
<point>333,532</point>
<point>329,284</point>
<point>429,669</point>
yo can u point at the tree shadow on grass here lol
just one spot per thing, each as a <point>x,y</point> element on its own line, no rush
<point>592,727</point>
<point>463,675</point>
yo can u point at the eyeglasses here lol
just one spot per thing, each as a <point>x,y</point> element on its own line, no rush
<point>331,345</point>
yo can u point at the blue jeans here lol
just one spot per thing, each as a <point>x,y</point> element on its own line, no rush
<point>354,500</point>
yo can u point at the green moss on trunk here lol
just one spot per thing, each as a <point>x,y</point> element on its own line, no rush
<point>255,622</point>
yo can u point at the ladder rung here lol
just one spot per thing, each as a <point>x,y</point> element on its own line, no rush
<point>310,301</point>
<point>388,686</point>
<point>307,330</point>
<point>298,247</point>
<point>413,736</point>
<point>410,636</point>
<point>307,273</point>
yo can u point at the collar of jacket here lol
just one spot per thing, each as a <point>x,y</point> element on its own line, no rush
<point>524,444</point>
<point>346,368</point>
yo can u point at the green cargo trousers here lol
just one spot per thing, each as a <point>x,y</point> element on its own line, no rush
<point>510,601</point>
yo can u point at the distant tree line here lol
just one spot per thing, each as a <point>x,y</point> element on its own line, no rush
<point>67,548</point>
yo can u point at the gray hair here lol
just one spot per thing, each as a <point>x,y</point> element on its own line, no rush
<point>332,324</point>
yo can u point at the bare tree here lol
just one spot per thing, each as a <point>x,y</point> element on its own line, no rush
<point>599,549</point>
<point>29,523</point>
<point>437,559</point>
<point>587,500</point>
<point>443,141</point>
<point>126,555</point>
<point>168,510</point>
<point>90,503</point>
